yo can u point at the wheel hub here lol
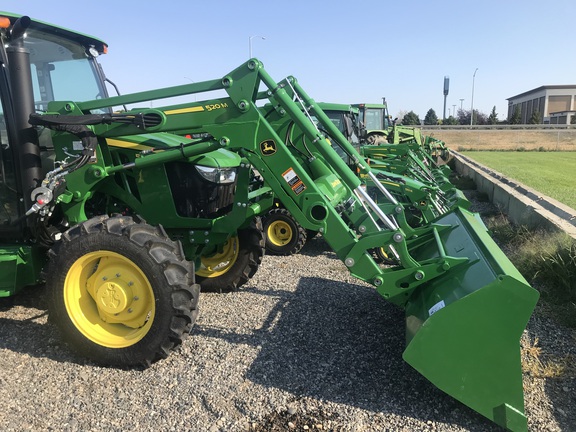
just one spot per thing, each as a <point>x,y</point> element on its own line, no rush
<point>109,299</point>
<point>222,261</point>
<point>113,297</point>
<point>279,233</point>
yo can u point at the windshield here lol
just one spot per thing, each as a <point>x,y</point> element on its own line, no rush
<point>373,119</point>
<point>61,70</point>
<point>344,123</point>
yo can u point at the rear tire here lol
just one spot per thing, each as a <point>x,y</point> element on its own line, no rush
<point>120,291</point>
<point>284,235</point>
<point>376,138</point>
<point>236,264</point>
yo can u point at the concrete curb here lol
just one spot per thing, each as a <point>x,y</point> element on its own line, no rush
<point>523,205</point>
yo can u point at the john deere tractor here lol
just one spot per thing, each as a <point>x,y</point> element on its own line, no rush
<point>124,248</point>
<point>129,208</point>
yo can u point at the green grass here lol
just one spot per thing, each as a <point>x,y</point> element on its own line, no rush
<point>551,173</point>
<point>548,257</point>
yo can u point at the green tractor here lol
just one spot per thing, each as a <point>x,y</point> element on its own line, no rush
<point>398,151</point>
<point>125,250</point>
<point>405,174</point>
<point>400,147</point>
<point>124,226</point>
<point>373,122</point>
<point>376,127</point>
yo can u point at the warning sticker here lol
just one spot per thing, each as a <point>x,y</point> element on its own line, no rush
<point>291,177</point>
<point>294,181</point>
<point>299,188</point>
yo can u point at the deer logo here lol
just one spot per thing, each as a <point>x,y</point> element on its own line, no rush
<point>268,147</point>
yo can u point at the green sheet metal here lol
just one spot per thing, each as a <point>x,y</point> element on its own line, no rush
<point>19,267</point>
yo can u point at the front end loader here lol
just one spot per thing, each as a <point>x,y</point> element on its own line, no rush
<point>443,273</point>
<point>466,305</point>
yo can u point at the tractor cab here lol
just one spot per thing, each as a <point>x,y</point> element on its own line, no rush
<point>42,63</point>
<point>374,122</point>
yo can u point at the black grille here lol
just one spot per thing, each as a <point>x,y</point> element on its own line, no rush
<point>196,197</point>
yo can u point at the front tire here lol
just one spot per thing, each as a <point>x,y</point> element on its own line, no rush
<point>284,235</point>
<point>376,138</point>
<point>120,291</point>
<point>236,263</point>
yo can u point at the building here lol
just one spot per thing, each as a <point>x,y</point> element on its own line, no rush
<point>555,103</point>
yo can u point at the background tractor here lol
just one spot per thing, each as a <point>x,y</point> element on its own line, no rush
<point>406,168</point>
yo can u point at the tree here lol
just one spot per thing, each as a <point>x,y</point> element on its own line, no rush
<point>516,116</point>
<point>400,116</point>
<point>493,118</point>
<point>536,118</point>
<point>464,117</point>
<point>431,118</point>
<point>411,118</point>
<point>480,118</point>
<point>450,121</point>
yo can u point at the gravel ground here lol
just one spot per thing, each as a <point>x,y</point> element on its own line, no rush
<point>303,346</point>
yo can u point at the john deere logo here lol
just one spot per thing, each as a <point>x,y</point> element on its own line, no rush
<point>268,147</point>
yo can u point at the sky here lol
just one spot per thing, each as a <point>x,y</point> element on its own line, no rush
<point>340,51</point>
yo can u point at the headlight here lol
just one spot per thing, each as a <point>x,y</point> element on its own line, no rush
<point>217,175</point>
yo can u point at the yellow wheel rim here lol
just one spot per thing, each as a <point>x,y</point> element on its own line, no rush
<point>279,233</point>
<point>109,299</point>
<point>219,263</point>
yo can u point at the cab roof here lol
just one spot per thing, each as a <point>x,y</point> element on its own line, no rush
<point>81,38</point>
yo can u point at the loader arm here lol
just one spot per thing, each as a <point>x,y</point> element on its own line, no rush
<point>312,181</point>
<point>445,272</point>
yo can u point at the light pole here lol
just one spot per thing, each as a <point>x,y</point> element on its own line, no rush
<point>461,101</point>
<point>250,42</point>
<point>454,110</point>
<point>472,103</point>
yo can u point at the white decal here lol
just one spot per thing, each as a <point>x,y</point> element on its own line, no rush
<point>436,307</point>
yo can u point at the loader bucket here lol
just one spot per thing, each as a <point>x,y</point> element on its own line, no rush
<point>463,329</point>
